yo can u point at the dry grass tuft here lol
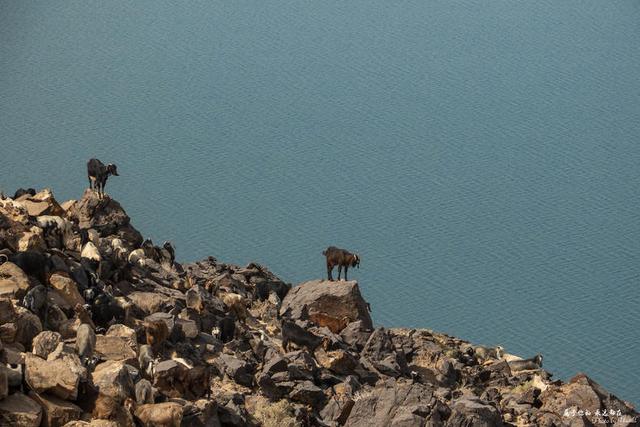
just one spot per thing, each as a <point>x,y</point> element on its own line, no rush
<point>279,414</point>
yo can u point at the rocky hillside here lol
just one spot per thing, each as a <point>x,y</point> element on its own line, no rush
<point>115,332</point>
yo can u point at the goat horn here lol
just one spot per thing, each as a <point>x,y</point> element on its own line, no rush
<point>3,256</point>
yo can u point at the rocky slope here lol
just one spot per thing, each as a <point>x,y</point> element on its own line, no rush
<point>143,340</point>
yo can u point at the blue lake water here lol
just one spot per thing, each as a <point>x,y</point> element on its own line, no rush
<point>482,157</point>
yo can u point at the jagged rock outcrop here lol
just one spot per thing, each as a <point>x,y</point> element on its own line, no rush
<point>327,303</point>
<point>203,341</point>
<point>104,215</point>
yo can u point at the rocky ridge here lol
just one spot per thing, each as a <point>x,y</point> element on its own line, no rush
<point>144,340</point>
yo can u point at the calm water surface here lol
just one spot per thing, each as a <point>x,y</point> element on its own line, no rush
<point>483,157</point>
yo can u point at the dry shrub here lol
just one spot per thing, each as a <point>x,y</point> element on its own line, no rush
<point>279,414</point>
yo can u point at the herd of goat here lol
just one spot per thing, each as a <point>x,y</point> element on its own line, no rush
<point>101,261</point>
<point>97,262</point>
<point>98,173</point>
<point>109,260</point>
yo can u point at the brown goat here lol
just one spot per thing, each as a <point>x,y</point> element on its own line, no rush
<point>341,258</point>
<point>157,332</point>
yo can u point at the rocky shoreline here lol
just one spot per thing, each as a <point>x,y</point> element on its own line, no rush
<point>215,344</point>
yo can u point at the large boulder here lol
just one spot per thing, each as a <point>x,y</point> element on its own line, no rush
<point>45,343</point>
<point>328,303</point>
<point>60,377</point>
<point>32,240</point>
<point>308,393</point>
<point>28,325</point>
<point>43,203</point>
<point>380,355</point>
<point>150,302</point>
<point>238,370</point>
<point>12,214</point>
<point>57,412</point>
<point>122,331</point>
<point>473,412</point>
<point>114,348</point>
<point>113,379</point>
<point>355,335</point>
<point>105,215</point>
<point>14,283</point>
<point>395,403</point>
<point>67,289</point>
<point>19,410</point>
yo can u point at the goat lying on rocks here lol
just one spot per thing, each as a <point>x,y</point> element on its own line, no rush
<point>98,174</point>
<point>526,364</point>
<point>341,258</point>
<point>22,191</point>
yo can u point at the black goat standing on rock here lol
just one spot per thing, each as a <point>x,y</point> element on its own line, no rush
<point>341,258</point>
<point>98,174</point>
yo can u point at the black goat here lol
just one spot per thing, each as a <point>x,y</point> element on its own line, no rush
<point>98,174</point>
<point>168,249</point>
<point>21,192</point>
<point>106,310</point>
<point>341,258</point>
<point>33,263</point>
<point>227,329</point>
<point>531,363</point>
<point>294,333</point>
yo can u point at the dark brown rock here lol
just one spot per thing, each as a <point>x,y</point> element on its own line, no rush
<point>237,369</point>
<point>104,215</point>
<point>19,410</point>
<point>60,377</point>
<point>57,412</point>
<point>331,303</point>
<point>473,412</point>
<point>393,401</point>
